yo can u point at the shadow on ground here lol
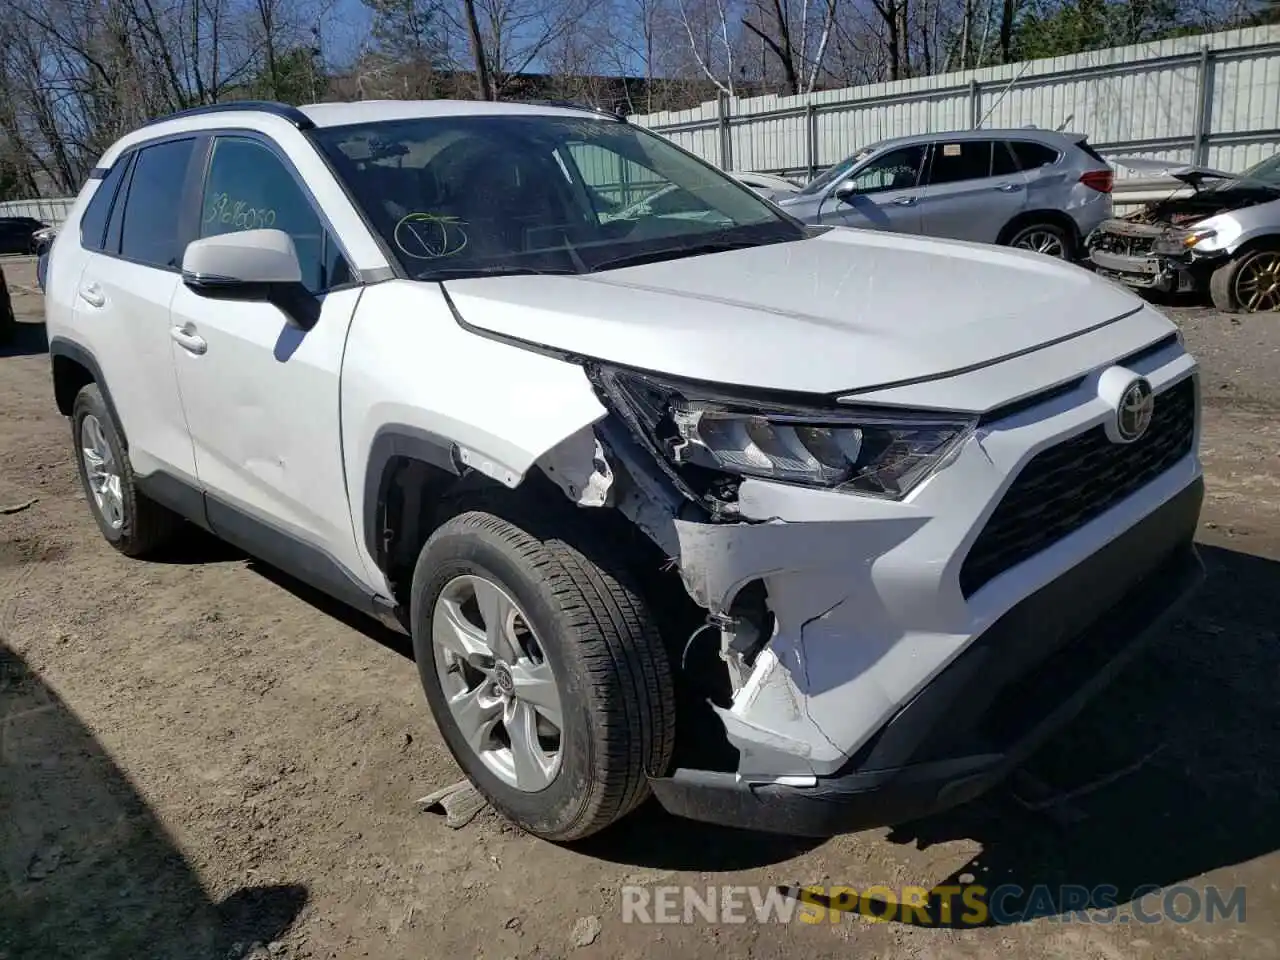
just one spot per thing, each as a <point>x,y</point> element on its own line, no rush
<point>394,640</point>
<point>1192,725</point>
<point>86,870</point>
<point>196,546</point>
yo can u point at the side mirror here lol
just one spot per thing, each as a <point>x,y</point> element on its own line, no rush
<point>845,190</point>
<point>257,265</point>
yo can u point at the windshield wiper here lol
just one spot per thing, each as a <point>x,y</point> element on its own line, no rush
<point>490,270</point>
<point>671,253</point>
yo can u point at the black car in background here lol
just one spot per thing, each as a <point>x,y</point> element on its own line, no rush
<point>16,234</point>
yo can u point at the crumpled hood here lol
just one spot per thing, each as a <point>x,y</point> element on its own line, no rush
<point>846,310</point>
<point>1188,173</point>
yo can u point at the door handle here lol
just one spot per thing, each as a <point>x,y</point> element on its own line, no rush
<point>92,294</point>
<point>904,201</point>
<point>1009,187</point>
<point>189,341</point>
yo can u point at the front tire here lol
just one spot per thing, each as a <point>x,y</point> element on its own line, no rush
<point>543,668</point>
<point>130,521</point>
<point>1248,283</point>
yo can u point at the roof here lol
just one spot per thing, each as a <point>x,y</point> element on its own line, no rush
<point>267,115</point>
<point>983,133</point>
<point>372,111</point>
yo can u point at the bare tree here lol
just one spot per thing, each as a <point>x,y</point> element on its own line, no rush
<point>648,34</point>
<point>76,74</point>
<point>797,38</point>
<point>711,42</point>
<point>509,37</point>
<point>478,53</point>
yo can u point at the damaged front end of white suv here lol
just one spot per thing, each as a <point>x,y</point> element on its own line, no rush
<point>902,605</point>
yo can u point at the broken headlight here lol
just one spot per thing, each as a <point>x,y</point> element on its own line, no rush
<point>1179,241</point>
<point>700,431</point>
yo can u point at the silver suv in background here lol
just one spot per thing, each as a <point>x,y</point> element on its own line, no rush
<point>1035,189</point>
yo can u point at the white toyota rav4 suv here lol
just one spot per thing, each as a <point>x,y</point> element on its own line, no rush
<point>800,529</point>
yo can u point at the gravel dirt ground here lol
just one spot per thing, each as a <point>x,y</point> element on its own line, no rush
<point>201,758</point>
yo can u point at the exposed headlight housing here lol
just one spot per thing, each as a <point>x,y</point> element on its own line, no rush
<point>705,432</point>
<point>1182,240</point>
<point>1196,236</point>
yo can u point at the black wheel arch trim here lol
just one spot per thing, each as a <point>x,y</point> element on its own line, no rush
<point>391,442</point>
<point>70,350</point>
<point>1260,241</point>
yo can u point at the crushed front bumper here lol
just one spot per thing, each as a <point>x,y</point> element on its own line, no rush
<point>1144,272</point>
<point>1151,272</point>
<point>1142,256</point>
<point>992,706</point>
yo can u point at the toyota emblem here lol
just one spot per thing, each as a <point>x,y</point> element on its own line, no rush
<point>1133,414</point>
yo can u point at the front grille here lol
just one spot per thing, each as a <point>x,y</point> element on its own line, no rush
<point>1128,246</point>
<point>1064,487</point>
<point>1125,239</point>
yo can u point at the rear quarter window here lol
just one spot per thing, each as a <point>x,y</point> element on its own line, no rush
<point>1032,156</point>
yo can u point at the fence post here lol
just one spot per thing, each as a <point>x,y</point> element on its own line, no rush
<point>975,104</point>
<point>1204,101</point>
<point>726,143</point>
<point>811,138</point>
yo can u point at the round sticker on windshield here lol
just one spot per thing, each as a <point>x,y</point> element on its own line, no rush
<point>427,236</point>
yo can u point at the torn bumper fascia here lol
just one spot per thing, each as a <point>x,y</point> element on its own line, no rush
<point>831,627</point>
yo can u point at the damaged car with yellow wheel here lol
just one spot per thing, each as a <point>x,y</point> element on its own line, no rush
<point>1223,239</point>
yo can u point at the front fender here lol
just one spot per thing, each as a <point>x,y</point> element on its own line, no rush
<point>416,384</point>
<point>1250,235</point>
<point>1236,229</point>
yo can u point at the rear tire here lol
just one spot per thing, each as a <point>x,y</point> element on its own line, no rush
<point>1234,284</point>
<point>595,638</point>
<point>130,521</point>
<point>1047,239</point>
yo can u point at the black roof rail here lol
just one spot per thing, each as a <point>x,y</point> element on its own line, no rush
<point>292,114</point>
<point>573,105</point>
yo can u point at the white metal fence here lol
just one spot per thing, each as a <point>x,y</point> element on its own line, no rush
<point>51,210</point>
<point>1212,99</point>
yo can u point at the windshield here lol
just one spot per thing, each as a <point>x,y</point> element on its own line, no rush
<point>482,195</point>
<point>833,173</point>
<point>1268,172</point>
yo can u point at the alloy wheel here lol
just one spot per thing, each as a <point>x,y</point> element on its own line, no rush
<point>498,682</point>
<point>1258,283</point>
<point>102,471</point>
<point>1040,240</point>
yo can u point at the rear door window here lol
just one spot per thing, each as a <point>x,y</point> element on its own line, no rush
<point>958,161</point>
<point>1003,162</point>
<point>149,232</point>
<point>93,222</point>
